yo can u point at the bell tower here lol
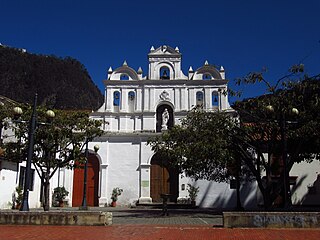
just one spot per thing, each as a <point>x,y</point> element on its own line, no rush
<point>165,64</point>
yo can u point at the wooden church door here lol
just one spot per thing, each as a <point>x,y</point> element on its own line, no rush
<point>164,180</point>
<point>92,183</point>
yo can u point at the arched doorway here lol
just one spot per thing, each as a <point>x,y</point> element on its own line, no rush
<point>92,183</point>
<point>164,179</point>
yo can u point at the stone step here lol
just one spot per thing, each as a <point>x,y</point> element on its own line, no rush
<point>78,218</point>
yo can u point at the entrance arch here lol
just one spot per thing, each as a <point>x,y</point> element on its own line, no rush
<point>92,183</point>
<point>164,179</point>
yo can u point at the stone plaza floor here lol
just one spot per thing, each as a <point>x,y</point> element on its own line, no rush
<point>151,224</point>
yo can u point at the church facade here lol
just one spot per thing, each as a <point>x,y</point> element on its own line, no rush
<point>138,107</point>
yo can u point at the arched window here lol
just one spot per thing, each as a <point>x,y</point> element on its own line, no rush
<point>116,98</point>
<point>124,77</point>
<point>199,98</point>
<point>215,99</point>
<point>206,76</point>
<point>164,73</point>
<point>131,100</point>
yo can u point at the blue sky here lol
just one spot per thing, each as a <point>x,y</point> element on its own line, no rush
<point>242,36</point>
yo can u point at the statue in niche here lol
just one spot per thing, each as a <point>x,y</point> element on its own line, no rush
<point>165,119</point>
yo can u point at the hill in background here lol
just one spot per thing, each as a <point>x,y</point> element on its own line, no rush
<point>62,83</point>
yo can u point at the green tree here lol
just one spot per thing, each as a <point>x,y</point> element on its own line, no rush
<point>200,145</point>
<point>57,144</point>
<point>212,146</point>
<point>285,124</point>
<point>6,106</point>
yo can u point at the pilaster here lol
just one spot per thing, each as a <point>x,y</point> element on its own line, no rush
<point>145,184</point>
<point>109,99</point>
<point>103,200</point>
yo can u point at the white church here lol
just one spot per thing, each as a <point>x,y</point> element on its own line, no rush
<point>138,106</point>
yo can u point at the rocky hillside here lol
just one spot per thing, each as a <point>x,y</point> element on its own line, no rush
<point>61,83</point>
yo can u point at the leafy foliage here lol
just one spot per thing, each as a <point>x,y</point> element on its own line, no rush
<point>59,194</point>
<point>60,83</point>
<point>193,192</point>
<point>201,146</point>
<point>56,144</point>
<point>116,192</point>
<point>19,196</point>
<point>283,123</point>
<point>217,146</point>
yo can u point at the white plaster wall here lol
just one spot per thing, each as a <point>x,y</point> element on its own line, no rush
<point>130,124</point>
<point>149,123</point>
<point>114,124</point>
<point>308,175</point>
<point>218,195</point>
<point>123,170</point>
<point>8,183</point>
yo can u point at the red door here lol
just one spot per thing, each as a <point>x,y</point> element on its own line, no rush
<point>92,183</point>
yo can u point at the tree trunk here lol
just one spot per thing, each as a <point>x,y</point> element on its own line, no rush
<point>265,194</point>
<point>239,206</point>
<point>1,126</point>
<point>46,192</point>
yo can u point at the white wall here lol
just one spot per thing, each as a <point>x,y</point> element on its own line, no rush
<point>308,175</point>
<point>8,183</point>
<point>123,169</point>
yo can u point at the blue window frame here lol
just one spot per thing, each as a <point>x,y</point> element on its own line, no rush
<point>116,98</point>
<point>124,77</point>
<point>199,98</point>
<point>206,76</point>
<point>164,73</point>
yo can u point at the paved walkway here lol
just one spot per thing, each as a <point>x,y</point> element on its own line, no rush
<point>175,217</point>
<point>147,232</point>
<point>150,224</point>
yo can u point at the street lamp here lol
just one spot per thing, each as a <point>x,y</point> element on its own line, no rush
<point>286,175</point>
<point>84,197</point>
<point>96,148</point>
<point>32,128</point>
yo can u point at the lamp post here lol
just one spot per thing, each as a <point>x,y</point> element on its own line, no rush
<point>84,205</point>
<point>84,197</point>
<point>283,133</point>
<point>32,128</point>
<point>31,132</point>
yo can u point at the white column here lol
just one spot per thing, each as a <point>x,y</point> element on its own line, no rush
<point>207,98</point>
<point>177,69</point>
<point>145,184</point>
<point>139,99</point>
<point>192,98</point>
<point>152,72</point>
<point>184,99</point>
<point>103,185</point>
<point>177,99</point>
<point>109,99</point>
<point>151,97</point>
<point>146,99</point>
<point>124,100</point>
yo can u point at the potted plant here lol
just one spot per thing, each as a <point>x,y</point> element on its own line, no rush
<point>116,192</point>
<point>19,197</point>
<point>193,193</point>
<point>59,194</point>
